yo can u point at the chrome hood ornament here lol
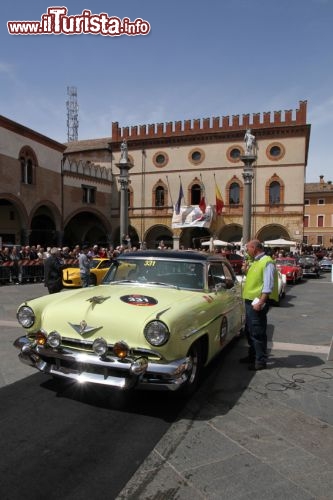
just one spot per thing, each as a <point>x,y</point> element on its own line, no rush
<point>97,299</point>
<point>83,328</point>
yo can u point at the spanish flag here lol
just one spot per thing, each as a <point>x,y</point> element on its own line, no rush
<point>219,200</point>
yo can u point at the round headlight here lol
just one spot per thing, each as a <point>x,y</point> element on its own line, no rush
<point>156,333</point>
<point>54,339</point>
<point>25,316</point>
<point>100,347</point>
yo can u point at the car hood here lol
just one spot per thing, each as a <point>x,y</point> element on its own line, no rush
<point>115,312</point>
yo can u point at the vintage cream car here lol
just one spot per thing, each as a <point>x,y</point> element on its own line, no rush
<point>156,320</point>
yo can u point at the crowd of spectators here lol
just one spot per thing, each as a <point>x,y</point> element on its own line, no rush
<point>18,256</point>
<point>37,252</point>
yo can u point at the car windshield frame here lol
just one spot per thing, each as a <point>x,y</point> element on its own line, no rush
<point>286,262</point>
<point>175,273</point>
<point>307,258</point>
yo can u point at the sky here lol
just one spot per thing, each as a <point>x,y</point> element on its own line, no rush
<point>200,59</point>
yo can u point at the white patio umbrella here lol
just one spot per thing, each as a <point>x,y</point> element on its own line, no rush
<point>280,242</point>
<point>216,243</point>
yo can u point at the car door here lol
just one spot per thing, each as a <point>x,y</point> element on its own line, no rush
<point>222,282</point>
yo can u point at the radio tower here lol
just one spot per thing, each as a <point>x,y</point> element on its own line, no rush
<point>72,115</point>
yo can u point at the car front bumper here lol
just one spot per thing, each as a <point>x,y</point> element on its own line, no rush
<point>109,370</point>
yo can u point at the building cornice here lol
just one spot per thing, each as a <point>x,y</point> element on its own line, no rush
<point>24,131</point>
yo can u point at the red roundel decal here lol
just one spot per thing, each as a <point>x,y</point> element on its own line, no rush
<point>138,300</point>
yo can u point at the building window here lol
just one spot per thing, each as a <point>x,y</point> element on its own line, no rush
<point>274,193</point>
<point>320,221</point>
<point>321,201</point>
<point>305,240</point>
<point>275,151</point>
<point>307,202</point>
<point>234,153</point>
<point>319,240</point>
<point>195,194</point>
<point>160,159</point>
<point>88,194</point>
<point>306,221</point>
<point>234,194</point>
<point>159,197</point>
<point>28,163</point>
<point>26,171</point>
<point>196,156</point>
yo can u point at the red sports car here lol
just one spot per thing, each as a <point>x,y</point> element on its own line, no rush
<point>290,268</point>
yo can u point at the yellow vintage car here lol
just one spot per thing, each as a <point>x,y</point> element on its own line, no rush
<point>98,268</point>
<point>155,321</point>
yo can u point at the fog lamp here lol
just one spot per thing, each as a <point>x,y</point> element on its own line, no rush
<point>54,339</point>
<point>100,346</point>
<point>41,338</point>
<point>139,366</point>
<point>121,349</point>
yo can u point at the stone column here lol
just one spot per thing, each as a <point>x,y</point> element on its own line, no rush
<point>124,166</point>
<point>248,175</point>
<point>248,159</point>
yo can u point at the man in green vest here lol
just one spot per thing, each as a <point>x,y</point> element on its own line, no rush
<point>261,284</point>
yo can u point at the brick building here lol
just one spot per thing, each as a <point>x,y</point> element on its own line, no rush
<point>318,213</point>
<point>68,193</point>
<point>42,199</point>
<point>202,154</point>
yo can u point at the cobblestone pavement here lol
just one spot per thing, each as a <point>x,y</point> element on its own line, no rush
<point>267,434</point>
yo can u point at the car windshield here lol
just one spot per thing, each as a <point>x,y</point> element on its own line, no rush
<point>286,262</point>
<point>180,274</point>
<point>102,264</point>
<point>307,259</point>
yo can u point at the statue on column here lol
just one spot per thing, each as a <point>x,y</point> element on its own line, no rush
<point>123,152</point>
<point>250,143</point>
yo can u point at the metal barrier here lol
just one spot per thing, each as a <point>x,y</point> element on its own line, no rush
<point>5,272</point>
<point>31,271</point>
<point>26,271</point>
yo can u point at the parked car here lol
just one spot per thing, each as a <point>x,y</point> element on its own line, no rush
<point>282,281</point>
<point>310,265</point>
<point>282,286</point>
<point>155,321</point>
<point>236,262</point>
<point>98,268</point>
<point>290,268</point>
<point>325,265</point>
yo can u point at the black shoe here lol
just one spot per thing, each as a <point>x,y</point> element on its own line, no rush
<point>247,360</point>
<point>255,367</point>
